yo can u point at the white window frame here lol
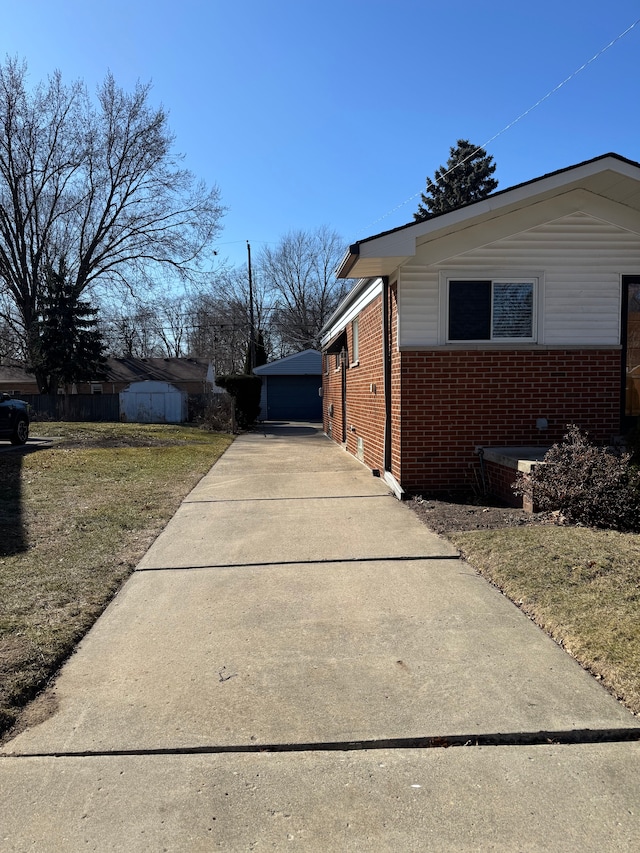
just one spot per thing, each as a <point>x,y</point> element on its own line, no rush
<point>355,342</point>
<point>534,280</point>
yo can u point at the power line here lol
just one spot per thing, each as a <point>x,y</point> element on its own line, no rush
<point>516,120</point>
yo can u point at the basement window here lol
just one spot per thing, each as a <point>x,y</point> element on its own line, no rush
<point>499,310</point>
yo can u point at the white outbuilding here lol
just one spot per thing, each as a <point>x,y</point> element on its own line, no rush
<point>152,402</point>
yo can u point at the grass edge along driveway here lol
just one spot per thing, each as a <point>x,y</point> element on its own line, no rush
<point>75,519</point>
<point>581,585</point>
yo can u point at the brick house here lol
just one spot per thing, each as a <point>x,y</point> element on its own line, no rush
<point>471,339</point>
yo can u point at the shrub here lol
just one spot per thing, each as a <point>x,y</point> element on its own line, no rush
<point>245,390</point>
<point>213,412</point>
<point>632,443</point>
<point>590,485</point>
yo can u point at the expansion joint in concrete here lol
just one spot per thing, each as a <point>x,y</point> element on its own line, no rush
<point>569,737</point>
<point>325,562</point>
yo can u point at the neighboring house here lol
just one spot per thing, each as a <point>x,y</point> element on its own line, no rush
<point>187,374</point>
<point>291,388</point>
<point>190,375</point>
<point>154,390</point>
<point>15,380</point>
<point>491,326</point>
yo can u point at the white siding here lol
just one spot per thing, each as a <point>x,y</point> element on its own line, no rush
<point>579,259</point>
<point>418,306</point>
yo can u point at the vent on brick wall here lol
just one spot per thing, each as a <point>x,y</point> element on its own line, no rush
<point>360,450</point>
<point>330,410</point>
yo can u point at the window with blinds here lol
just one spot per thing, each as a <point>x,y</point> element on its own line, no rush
<point>491,310</point>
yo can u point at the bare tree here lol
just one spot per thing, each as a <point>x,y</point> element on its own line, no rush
<point>129,329</point>
<point>172,325</point>
<point>96,187</point>
<point>11,341</point>
<point>220,321</point>
<point>294,292</point>
<point>299,276</point>
<point>10,348</point>
<point>152,328</point>
<point>219,331</point>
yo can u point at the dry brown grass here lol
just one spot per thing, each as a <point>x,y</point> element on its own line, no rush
<point>74,521</point>
<point>581,585</point>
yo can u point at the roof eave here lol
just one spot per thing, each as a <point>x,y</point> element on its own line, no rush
<point>348,261</point>
<point>367,258</point>
<point>352,296</point>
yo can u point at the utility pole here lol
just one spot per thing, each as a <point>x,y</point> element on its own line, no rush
<point>252,325</point>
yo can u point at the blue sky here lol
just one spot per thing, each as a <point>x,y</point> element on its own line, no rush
<point>309,113</point>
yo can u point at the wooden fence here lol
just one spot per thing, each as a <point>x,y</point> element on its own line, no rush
<point>74,407</point>
<point>209,408</point>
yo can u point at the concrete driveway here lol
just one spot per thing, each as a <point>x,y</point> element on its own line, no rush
<point>298,663</point>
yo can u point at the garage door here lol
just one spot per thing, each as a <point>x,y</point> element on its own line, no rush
<point>293,398</point>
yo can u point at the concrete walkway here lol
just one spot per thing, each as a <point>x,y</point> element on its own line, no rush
<point>286,670</point>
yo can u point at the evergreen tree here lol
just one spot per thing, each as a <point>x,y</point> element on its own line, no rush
<point>467,177</point>
<point>260,356</point>
<point>67,346</point>
<point>261,350</point>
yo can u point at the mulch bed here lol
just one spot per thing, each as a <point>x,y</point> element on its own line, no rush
<point>467,513</point>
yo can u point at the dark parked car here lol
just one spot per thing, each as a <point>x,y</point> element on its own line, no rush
<point>14,419</point>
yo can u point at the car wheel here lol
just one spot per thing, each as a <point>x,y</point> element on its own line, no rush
<point>21,432</point>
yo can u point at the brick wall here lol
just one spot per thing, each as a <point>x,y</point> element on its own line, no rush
<point>445,403</point>
<point>455,400</point>
<point>365,388</point>
<point>498,480</point>
<point>331,396</point>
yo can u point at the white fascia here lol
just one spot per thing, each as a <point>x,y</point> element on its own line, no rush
<point>364,292</point>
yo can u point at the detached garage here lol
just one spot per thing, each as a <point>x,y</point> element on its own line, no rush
<point>291,388</point>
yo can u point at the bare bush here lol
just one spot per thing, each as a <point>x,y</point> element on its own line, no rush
<point>215,412</point>
<point>586,484</point>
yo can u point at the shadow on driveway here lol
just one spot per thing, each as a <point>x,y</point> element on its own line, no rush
<point>289,428</point>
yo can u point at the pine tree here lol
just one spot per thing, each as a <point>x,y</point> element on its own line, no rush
<point>67,346</point>
<point>465,178</point>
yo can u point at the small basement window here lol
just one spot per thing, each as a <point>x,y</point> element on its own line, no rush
<point>491,310</point>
